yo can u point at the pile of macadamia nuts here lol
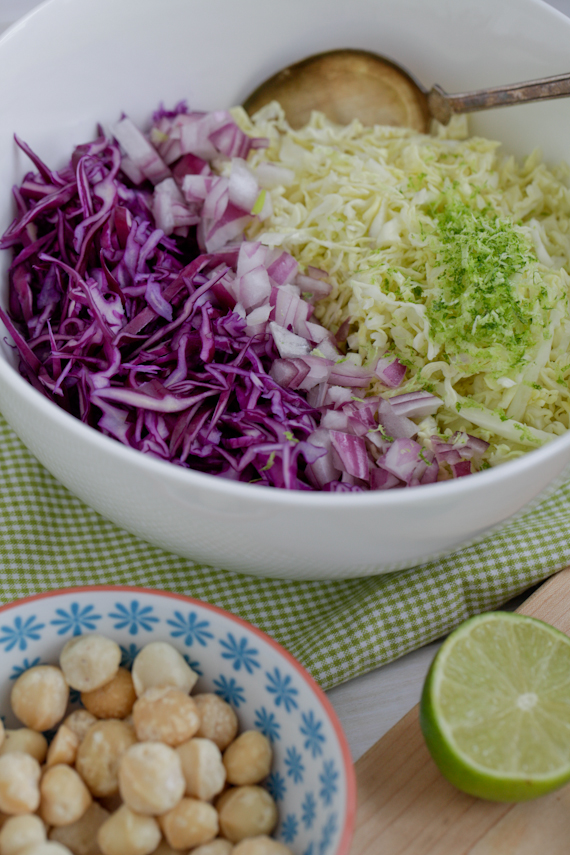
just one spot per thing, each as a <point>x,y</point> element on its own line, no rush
<point>144,767</point>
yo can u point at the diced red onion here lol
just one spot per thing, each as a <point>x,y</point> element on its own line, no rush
<point>402,459</point>
<point>287,343</point>
<point>289,373</point>
<point>334,420</point>
<point>337,395</point>
<point>215,235</point>
<point>140,151</point>
<point>217,199</point>
<point>317,395</point>
<point>250,256</point>
<point>398,427</point>
<point>462,468</point>
<point>416,404</point>
<point>390,371</point>
<point>243,188</point>
<point>381,479</point>
<point>131,170</point>
<point>469,446</point>
<point>317,288</point>
<point>346,373</point>
<point>283,269</point>
<point>323,470</point>
<point>254,288</point>
<point>350,452</point>
<point>319,371</point>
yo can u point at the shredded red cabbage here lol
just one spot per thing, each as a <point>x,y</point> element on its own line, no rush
<point>137,305</point>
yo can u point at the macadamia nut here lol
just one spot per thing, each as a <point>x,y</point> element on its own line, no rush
<point>189,824</point>
<point>99,755</point>
<point>64,796</point>
<point>79,721</point>
<point>113,700</point>
<point>47,848</point>
<point>128,833</point>
<point>19,783</point>
<point>89,661</point>
<point>248,758</point>
<point>202,767</point>
<point>21,831</point>
<point>150,778</point>
<point>81,836</point>
<point>39,697</point>
<point>29,741</point>
<point>63,747</point>
<point>261,845</point>
<point>246,812</point>
<point>218,720</point>
<point>164,849</point>
<point>160,664</point>
<point>219,846</point>
<point>165,714</point>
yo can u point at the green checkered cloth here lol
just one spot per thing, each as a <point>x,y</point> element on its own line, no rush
<point>50,539</point>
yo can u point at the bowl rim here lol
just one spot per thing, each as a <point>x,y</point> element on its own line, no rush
<point>350,775</point>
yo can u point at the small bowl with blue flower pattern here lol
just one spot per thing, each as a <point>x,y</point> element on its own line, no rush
<point>312,777</point>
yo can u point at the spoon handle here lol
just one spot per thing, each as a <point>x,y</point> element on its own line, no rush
<point>442,106</point>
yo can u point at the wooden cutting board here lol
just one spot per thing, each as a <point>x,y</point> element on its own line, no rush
<point>406,807</point>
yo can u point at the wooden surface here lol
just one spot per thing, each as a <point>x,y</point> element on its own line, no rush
<point>406,807</point>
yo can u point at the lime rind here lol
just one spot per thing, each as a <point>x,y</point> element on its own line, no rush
<point>495,708</point>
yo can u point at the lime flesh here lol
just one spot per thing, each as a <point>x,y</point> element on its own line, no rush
<point>495,708</point>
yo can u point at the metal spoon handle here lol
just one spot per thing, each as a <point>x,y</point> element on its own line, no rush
<point>442,106</point>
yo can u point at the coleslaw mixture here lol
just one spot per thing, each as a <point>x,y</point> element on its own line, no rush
<point>336,308</point>
<point>441,252</point>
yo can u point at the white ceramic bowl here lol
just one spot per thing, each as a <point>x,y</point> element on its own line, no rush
<point>72,63</point>
<point>312,776</point>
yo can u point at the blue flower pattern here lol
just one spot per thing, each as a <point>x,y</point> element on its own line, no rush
<point>267,724</point>
<point>76,620</point>
<point>309,808</point>
<point>289,828</point>
<point>240,653</point>
<point>229,691</point>
<point>191,628</point>
<point>133,617</point>
<point>276,785</point>
<point>21,633</point>
<point>310,815</point>
<point>281,687</point>
<point>294,764</point>
<point>312,730</point>
<point>328,779</point>
<point>329,829</point>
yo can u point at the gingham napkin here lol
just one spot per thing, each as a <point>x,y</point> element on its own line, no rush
<point>50,539</point>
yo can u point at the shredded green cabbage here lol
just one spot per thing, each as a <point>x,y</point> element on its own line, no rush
<point>441,251</point>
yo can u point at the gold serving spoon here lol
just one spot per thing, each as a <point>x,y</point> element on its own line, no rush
<point>356,84</point>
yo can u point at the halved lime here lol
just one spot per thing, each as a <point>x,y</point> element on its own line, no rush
<point>495,708</point>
